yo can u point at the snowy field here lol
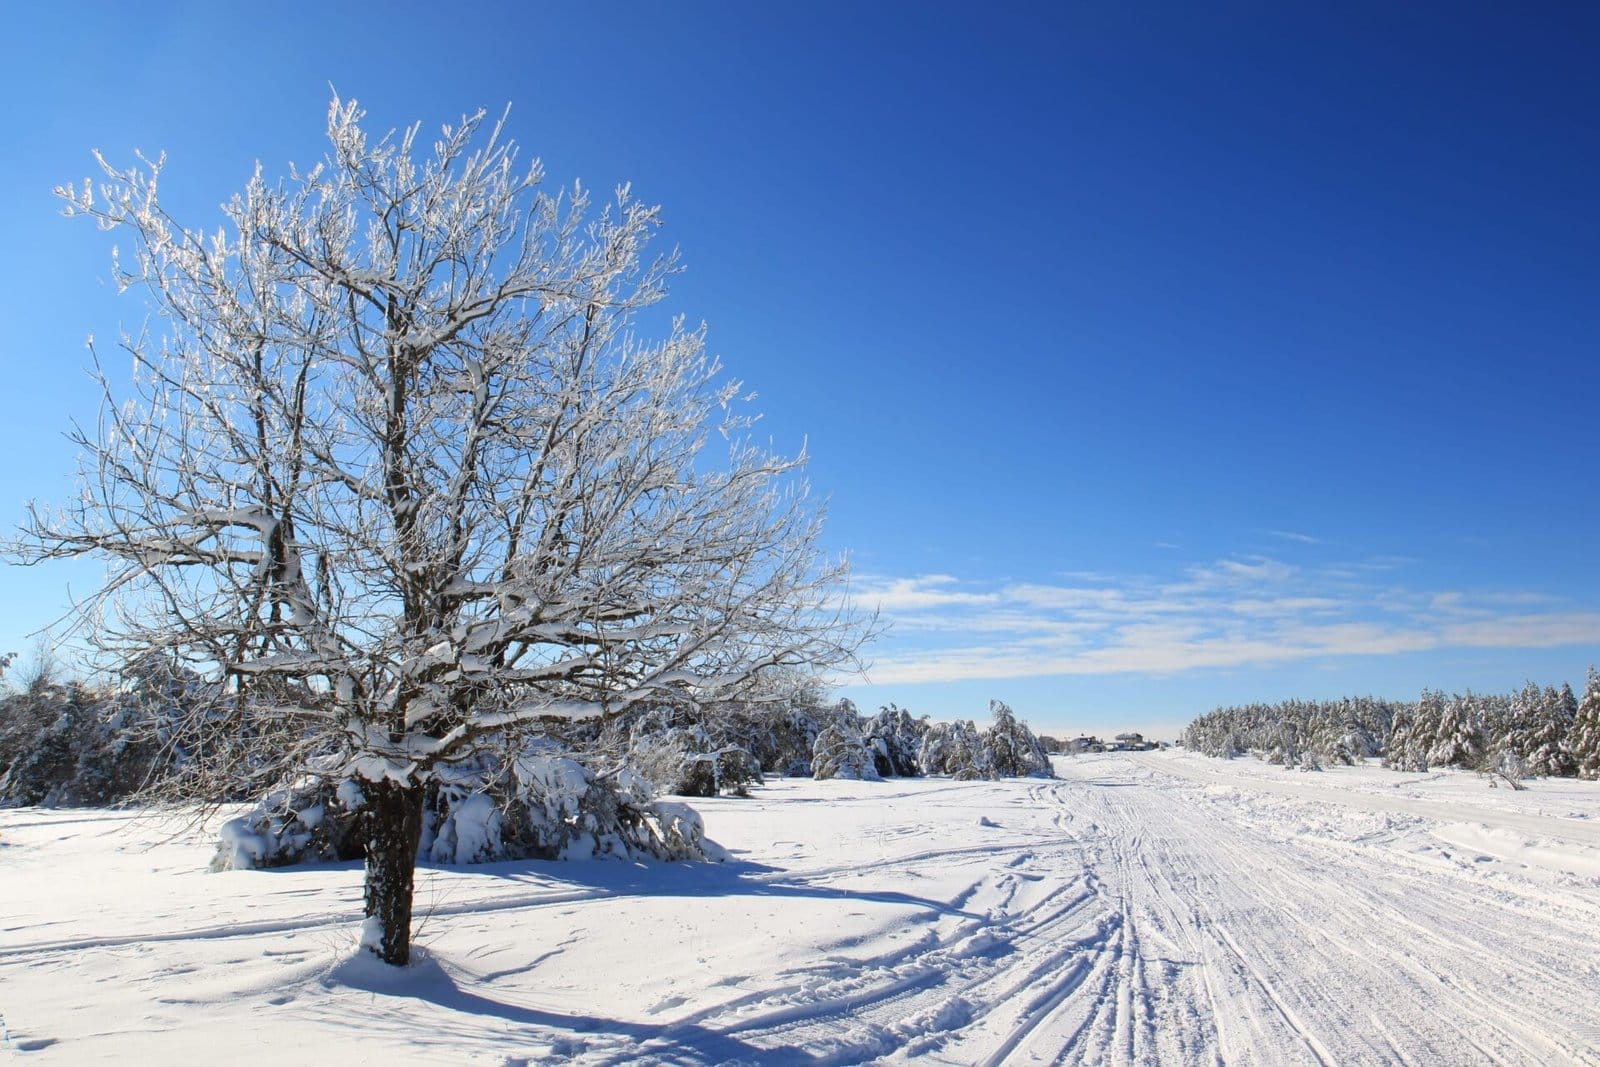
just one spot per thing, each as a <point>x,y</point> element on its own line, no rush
<point>1151,908</point>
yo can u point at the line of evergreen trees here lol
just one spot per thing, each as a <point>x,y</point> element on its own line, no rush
<point>1544,732</point>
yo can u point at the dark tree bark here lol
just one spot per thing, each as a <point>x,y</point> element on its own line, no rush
<point>394,829</point>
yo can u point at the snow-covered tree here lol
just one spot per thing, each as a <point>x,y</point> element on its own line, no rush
<point>1458,738</point>
<point>679,751</point>
<point>1014,750</point>
<point>1342,731</point>
<point>841,752</point>
<point>895,738</point>
<point>1586,730</point>
<point>956,749</point>
<point>402,475</point>
<point>1538,731</point>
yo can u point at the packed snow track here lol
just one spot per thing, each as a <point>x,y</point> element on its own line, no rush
<point>1151,908</point>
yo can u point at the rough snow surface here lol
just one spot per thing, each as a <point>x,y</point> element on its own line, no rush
<point>1146,908</point>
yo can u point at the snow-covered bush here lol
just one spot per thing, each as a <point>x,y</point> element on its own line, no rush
<point>69,744</point>
<point>842,753</point>
<point>685,751</point>
<point>536,804</point>
<point>784,746</point>
<point>1014,751</point>
<point>895,738</point>
<point>545,805</point>
<point>163,733</point>
<point>317,819</point>
<point>955,749</point>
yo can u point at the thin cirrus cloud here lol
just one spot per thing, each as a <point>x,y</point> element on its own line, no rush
<point>1298,538</point>
<point>1236,612</point>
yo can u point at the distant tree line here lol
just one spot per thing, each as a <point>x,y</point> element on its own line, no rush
<point>1543,732</point>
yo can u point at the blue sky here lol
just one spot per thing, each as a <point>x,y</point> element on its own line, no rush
<point>1152,356</point>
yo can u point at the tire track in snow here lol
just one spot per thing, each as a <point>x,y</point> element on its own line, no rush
<point>1013,958</point>
<point>1323,931</point>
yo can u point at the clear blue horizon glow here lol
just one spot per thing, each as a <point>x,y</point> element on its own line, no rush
<point>1151,357</point>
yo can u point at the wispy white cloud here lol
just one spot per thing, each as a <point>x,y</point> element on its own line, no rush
<point>1232,612</point>
<point>1291,535</point>
<point>1254,607</point>
<point>917,594</point>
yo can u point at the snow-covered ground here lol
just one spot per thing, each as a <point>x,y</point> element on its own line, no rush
<point>1147,908</point>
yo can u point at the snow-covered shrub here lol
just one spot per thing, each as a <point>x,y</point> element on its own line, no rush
<point>955,749</point>
<point>1014,751</point>
<point>843,753</point>
<point>895,739</point>
<point>686,751</point>
<point>163,733</point>
<point>67,744</point>
<point>316,819</point>
<point>534,804</point>
<point>1506,764</point>
<point>791,735</point>
<point>545,805</point>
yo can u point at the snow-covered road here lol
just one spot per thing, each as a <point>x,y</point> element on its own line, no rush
<point>1146,908</point>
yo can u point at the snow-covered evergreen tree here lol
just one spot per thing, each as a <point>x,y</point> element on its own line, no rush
<point>1458,739</point>
<point>689,751</point>
<point>895,738</point>
<point>1538,732</point>
<point>956,749</point>
<point>842,753</point>
<point>1414,734</point>
<point>1014,751</point>
<point>1586,730</point>
<point>1341,731</point>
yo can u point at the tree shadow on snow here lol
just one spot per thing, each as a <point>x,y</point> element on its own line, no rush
<point>729,878</point>
<point>689,1043</point>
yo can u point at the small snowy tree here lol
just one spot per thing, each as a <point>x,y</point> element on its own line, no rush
<point>1458,741</point>
<point>895,738</point>
<point>1586,730</point>
<point>956,749</point>
<point>679,751</point>
<point>1014,750</point>
<point>1538,731</point>
<point>842,753</point>
<point>1414,735</point>
<point>401,476</point>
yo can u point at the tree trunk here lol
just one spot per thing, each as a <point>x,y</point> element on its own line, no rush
<point>394,828</point>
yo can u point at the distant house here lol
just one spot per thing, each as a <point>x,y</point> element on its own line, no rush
<point>1085,743</point>
<point>1131,743</point>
